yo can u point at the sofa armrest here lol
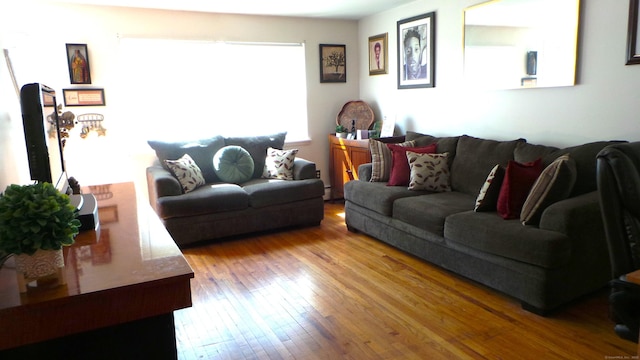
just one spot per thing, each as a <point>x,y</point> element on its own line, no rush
<point>364,172</point>
<point>580,219</point>
<point>573,215</point>
<point>303,169</point>
<point>160,182</point>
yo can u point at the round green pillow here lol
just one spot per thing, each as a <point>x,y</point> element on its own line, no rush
<point>233,164</point>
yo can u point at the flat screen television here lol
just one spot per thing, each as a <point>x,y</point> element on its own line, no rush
<point>43,136</point>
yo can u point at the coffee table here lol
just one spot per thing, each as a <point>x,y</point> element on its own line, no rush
<point>124,280</point>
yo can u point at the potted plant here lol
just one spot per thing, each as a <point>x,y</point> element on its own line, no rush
<point>341,131</point>
<point>36,221</point>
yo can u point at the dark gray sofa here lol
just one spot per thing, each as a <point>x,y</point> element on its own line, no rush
<point>543,266</point>
<point>217,209</point>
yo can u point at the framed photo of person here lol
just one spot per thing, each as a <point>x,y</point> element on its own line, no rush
<point>333,63</point>
<point>78,61</point>
<point>378,54</point>
<point>416,52</point>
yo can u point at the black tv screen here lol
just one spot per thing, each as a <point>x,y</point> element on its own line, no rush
<point>42,135</point>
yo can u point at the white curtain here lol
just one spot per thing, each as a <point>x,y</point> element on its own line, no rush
<point>179,89</point>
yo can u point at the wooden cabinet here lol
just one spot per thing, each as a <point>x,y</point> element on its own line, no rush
<point>345,157</point>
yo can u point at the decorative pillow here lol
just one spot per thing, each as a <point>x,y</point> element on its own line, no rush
<point>518,180</point>
<point>555,183</point>
<point>233,164</point>
<point>279,164</point>
<point>400,170</point>
<point>187,172</point>
<point>429,172</point>
<point>381,159</point>
<point>487,199</point>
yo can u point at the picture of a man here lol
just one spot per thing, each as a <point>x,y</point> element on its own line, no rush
<point>415,66</point>
<point>376,50</point>
<point>377,54</point>
<point>416,52</point>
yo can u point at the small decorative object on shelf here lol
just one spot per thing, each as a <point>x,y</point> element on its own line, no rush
<point>341,131</point>
<point>36,221</point>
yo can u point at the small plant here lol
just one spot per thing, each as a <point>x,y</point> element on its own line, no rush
<point>341,129</point>
<point>34,217</point>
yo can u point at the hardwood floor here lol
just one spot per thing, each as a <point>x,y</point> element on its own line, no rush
<point>325,293</point>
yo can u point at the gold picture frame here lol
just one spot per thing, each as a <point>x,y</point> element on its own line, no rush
<point>378,50</point>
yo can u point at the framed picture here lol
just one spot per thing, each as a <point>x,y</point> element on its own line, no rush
<point>333,63</point>
<point>83,97</point>
<point>633,37</point>
<point>416,51</point>
<point>378,54</point>
<point>78,62</point>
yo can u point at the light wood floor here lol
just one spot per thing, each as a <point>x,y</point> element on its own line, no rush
<point>325,293</point>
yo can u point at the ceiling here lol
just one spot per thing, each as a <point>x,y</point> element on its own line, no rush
<point>334,9</point>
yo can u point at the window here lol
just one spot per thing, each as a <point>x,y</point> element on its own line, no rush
<point>196,89</point>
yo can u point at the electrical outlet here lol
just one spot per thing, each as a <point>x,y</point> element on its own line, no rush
<point>317,174</point>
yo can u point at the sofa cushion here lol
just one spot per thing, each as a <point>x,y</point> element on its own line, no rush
<point>488,232</point>
<point>447,144</point>
<point>400,170</point>
<point>376,196</point>
<point>428,172</point>
<point>279,164</point>
<point>268,192</point>
<point>257,146</point>
<point>487,199</point>
<point>584,156</point>
<point>233,164</point>
<point>201,151</point>
<point>475,158</point>
<point>428,212</point>
<point>381,159</point>
<point>554,184</point>
<point>207,199</point>
<point>525,152</point>
<point>187,172</point>
<point>518,180</point>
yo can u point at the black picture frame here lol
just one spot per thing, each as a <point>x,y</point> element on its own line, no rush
<point>78,62</point>
<point>633,37</point>
<point>333,63</point>
<point>378,54</point>
<point>419,33</point>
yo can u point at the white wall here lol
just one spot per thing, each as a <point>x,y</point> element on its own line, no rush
<point>98,27</point>
<point>602,106</point>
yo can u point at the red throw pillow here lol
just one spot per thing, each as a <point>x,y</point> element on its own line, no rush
<point>400,170</point>
<point>518,180</point>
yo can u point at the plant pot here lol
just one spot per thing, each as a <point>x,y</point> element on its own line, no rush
<point>341,135</point>
<point>43,263</point>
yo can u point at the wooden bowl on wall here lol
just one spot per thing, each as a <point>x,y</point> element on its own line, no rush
<point>357,110</point>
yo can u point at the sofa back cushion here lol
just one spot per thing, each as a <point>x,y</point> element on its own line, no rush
<point>446,144</point>
<point>584,156</point>
<point>257,146</point>
<point>475,158</point>
<point>201,151</point>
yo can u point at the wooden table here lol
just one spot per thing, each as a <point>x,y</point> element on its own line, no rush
<point>123,283</point>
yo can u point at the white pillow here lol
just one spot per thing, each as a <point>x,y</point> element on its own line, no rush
<point>429,172</point>
<point>187,172</point>
<point>279,164</point>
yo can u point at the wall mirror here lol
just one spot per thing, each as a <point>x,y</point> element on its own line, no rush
<point>510,44</point>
